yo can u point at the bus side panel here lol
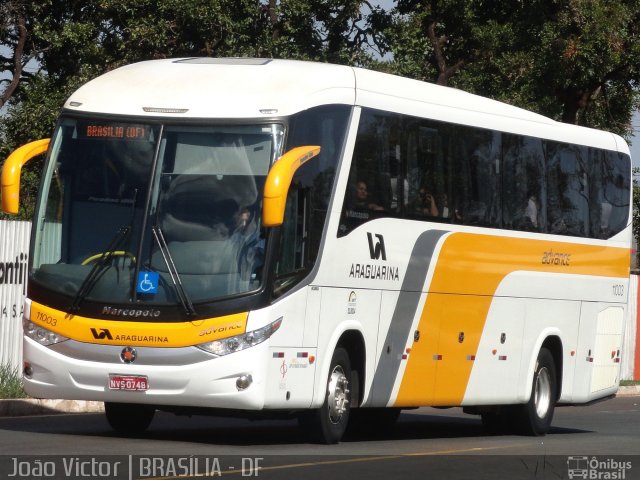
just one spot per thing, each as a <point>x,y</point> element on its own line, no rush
<point>342,310</point>
<point>598,358</point>
<point>397,334</point>
<point>546,318</point>
<point>291,365</point>
<point>472,271</point>
<point>495,375</point>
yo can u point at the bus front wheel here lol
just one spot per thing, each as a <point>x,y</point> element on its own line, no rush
<point>534,417</point>
<point>128,418</point>
<point>328,423</point>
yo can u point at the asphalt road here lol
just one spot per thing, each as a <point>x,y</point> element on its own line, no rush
<point>597,441</point>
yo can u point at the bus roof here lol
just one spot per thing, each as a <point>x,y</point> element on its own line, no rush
<point>216,88</point>
<point>233,88</point>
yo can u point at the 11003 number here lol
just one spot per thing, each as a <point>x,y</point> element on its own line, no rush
<point>618,290</point>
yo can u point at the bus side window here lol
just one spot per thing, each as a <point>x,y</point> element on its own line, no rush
<point>523,187</point>
<point>568,189</point>
<point>291,257</point>
<point>609,193</point>
<point>428,179</point>
<point>375,186</point>
<point>476,154</point>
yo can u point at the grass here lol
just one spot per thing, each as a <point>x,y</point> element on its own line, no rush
<point>10,383</point>
<point>629,383</point>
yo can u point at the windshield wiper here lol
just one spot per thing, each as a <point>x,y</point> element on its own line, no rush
<point>99,268</point>
<point>181,293</point>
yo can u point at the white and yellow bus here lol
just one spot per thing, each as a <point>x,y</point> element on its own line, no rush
<point>275,237</point>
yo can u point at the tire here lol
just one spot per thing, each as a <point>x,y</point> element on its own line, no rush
<point>128,418</point>
<point>329,423</point>
<point>535,416</point>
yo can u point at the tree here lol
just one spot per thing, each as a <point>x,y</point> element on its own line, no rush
<point>572,60</point>
<point>13,29</point>
<point>76,40</point>
<point>636,216</point>
<point>577,61</point>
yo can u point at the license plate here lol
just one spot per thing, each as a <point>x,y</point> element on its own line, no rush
<point>131,383</point>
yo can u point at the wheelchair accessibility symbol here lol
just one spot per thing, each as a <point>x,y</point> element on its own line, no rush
<point>147,282</point>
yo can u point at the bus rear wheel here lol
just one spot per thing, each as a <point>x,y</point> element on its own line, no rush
<point>129,418</point>
<point>535,416</point>
<point>328,423</point>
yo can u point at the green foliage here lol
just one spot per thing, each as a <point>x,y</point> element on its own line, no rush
<point>572,60</point>
<point>32,116</point>
<point>577,61</point>
<point>636,215</point>
<point>77,40</point>
<point>10,383</point>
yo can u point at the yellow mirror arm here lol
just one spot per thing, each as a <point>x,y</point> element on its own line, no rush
<point>278,181</point>
<point>11,172</point>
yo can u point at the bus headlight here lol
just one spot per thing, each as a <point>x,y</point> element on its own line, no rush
<point>229,345</point>
<point>41,335</point>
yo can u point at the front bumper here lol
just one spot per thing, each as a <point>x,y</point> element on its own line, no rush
<point>183,376</point>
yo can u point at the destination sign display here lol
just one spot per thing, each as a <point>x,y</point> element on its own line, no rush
<point>113,131</point>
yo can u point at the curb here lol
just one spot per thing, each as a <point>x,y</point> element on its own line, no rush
<point>32,406</point>
<point>21,407</point>
<point>629,391</point>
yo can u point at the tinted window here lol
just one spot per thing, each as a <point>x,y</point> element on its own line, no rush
<point>428,171</point>
<point>567,189</point>
<point>609,192</point>
<point>476,193</point>
<point>423,169</point>
<point>311,189</point>
<point>374,188</point>
<point>523,185</point>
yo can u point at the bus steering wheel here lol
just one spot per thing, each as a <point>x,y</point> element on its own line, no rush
<point>117,253</point>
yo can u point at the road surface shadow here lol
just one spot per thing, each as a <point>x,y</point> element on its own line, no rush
<point>242,432</point>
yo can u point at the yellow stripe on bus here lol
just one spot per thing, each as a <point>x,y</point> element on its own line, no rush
<point>468,271</point>
<point>140,333</point>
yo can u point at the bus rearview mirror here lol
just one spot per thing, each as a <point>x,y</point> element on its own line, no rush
<point>278,181</point>
<point>12,169</point>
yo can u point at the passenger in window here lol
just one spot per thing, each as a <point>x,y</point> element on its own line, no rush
<point>358,208</point>
<point>247,246</point>
<point>531,211</point>
<point>425,204</point>
<point>447,212</point>
<point>361,198</point>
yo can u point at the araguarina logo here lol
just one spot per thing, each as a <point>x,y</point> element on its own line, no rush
<point>376,250</point>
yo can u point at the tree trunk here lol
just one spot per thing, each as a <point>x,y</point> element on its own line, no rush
<point>17,60</point>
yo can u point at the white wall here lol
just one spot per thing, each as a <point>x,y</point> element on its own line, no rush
<point>14,251</point>
<point>629,347</point>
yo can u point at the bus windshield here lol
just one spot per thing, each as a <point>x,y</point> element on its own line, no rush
<point>153,213</point>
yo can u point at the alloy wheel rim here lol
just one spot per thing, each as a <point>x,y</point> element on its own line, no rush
<point>338,394</point>
<point>542,394</point>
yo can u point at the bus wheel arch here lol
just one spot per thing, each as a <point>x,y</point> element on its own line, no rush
<point>341,387</point>
<point>534,417</point>
<point>352,342</point>
<point>554,345</point>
